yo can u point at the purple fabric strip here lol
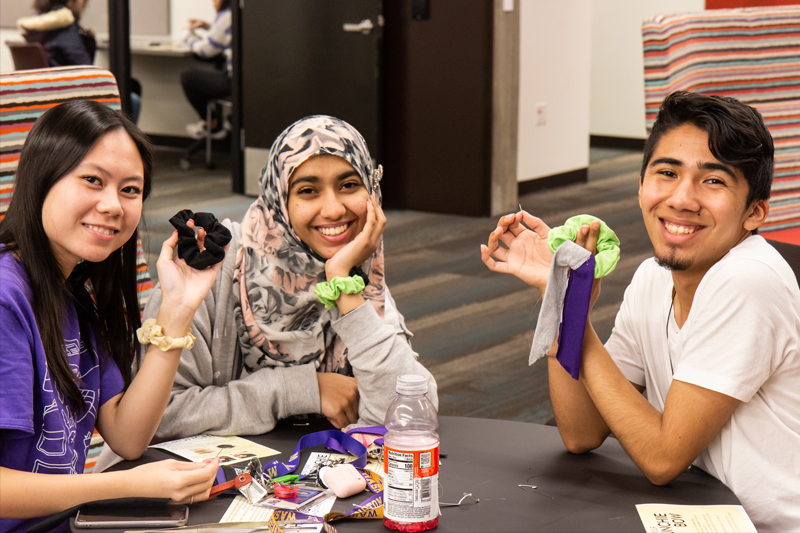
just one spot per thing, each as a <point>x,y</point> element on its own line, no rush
<point>575,314</point>
<point>370,430</point>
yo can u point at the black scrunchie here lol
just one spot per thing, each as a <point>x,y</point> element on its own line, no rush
<point>356,271</point>
<point>217,236</point>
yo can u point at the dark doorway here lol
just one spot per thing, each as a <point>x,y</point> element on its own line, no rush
<point>307,57</point>
<point>413,76</point>
<point>438,106</point>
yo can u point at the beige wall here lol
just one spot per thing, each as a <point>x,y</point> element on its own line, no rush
<point>555,41</point>
<point>617,66</point>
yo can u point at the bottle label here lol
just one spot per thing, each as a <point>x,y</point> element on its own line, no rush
<point>411,487</point>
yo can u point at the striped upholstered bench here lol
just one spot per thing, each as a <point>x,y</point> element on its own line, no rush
<point>24,96</point>
<point>751,54</point>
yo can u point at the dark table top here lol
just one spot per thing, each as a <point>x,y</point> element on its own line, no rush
<point>596,491</point>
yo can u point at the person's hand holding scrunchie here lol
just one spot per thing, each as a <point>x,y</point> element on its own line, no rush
<point>216,237</point>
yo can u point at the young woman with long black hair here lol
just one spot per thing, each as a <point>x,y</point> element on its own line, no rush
<point>69,316</point>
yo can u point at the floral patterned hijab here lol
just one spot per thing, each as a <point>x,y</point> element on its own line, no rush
<point>279,320</point>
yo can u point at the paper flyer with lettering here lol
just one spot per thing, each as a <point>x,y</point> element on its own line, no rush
<point>668,518</point>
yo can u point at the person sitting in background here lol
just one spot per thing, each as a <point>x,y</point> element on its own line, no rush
<point>203,85</point>
<point>57,27</point>
<point>267,348</point>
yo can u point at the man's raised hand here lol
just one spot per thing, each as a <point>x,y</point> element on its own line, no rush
<point>526,254</point>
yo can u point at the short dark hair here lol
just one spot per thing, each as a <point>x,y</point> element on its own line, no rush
<point>736,132</point>
<point>56,144</point>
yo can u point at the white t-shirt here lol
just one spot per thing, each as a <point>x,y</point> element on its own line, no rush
<point>742,339</point>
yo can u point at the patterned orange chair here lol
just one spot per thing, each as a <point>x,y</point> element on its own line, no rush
<point>751,54</point>
<point>24,96</point>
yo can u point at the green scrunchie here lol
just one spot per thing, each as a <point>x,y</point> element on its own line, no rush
<point>328,292</point>
<point>607,242</point>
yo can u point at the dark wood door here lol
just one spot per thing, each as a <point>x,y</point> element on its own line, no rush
<point>298,59</point>
<point>438,105</point>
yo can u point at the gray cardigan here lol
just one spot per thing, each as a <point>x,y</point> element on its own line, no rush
<point>214,394</point>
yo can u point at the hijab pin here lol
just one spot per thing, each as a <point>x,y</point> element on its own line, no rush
<point>377,176</point>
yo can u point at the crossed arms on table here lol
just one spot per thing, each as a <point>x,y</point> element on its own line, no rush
<point>603,401</point>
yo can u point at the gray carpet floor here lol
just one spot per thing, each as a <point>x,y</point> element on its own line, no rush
<point>472,328</point>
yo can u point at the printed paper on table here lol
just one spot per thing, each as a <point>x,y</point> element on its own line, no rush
<point>668,518</point>
<point>241,511</point>
<point>229,449</point>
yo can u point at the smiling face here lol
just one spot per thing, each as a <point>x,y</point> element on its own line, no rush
<point>94,209</point>
<point>693,205</point>
<point>327,203</point>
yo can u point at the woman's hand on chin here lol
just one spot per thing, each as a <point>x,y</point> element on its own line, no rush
<point>360,248</point>
<point>182,286</point>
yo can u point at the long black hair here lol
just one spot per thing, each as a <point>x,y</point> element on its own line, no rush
<point>104,293</point>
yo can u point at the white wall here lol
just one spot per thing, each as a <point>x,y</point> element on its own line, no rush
<point>182,10</point>
<point>617,67</point>
<point>555,41</point>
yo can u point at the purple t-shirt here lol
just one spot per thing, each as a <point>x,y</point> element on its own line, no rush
<point>38,432</point>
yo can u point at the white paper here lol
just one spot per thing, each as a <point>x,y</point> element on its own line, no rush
<point>228,449</point>
<point>668,518</point>
<point>241,511</point>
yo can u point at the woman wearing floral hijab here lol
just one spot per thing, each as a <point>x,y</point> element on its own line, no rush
<point>267,348</point>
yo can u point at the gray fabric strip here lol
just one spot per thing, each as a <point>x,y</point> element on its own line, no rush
<point>569,255</point>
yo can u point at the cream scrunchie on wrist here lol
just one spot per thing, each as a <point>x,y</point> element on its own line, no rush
<point>152,333</point>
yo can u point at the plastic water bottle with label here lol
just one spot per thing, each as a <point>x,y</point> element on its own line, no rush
<point>411,458</point>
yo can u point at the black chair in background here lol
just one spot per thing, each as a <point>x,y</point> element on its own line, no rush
<point>28,56</point>
<point>790,252</point>
<point>185,162</point>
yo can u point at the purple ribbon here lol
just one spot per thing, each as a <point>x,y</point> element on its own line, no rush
<point>332,439</point>
<point>575,314</point>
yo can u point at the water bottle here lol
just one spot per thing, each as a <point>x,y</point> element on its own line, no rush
<point>411,458</point>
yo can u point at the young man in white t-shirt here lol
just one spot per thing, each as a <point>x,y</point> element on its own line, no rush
<point>709,327</point>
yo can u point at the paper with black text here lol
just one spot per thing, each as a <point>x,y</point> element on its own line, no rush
<point>669,518</point>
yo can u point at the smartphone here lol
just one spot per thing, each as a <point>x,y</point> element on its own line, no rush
<point>110,515</point>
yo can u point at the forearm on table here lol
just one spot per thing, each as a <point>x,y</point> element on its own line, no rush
<point>579,423</point>
<point>29,495</point>
<point>378,353</point>
<point>660,451</point>
<point>128,423</point>
<point>250,405</point>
